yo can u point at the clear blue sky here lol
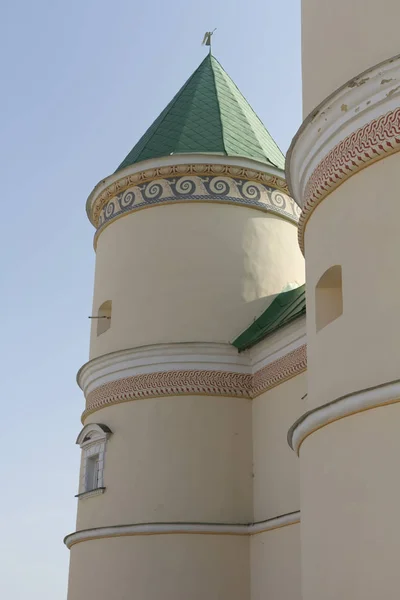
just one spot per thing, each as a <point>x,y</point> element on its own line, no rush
<point>81,81</point>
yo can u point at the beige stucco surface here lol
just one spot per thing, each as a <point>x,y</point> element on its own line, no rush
<point>350,493</point>
<point>275,564</point>
<point>276,467</point>
<point>342,39</point>
<point>356,227</point>
<point>190,272</point>
<point>186,458</point>
<point>161,567</point>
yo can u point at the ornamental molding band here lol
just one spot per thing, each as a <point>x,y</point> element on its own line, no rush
<point>195,188</point>
<point>345,406</point>
<point>172,383</point>
<point>182,528</point>
<point>161,357</point>
<point>280,370</point>
<point>130,189</point>
<point>182,370</point>
<point>356,126</point>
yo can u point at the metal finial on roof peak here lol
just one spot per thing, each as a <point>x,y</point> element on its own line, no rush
<point>207,38</point>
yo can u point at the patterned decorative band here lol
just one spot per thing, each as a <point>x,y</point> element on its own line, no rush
<point>182,528</point>
<point>280,370</point>
<point>195,188</point>
<point>354,127</point>
<point>197,382</point>
<point>375,140</point>
<point>146,195</point>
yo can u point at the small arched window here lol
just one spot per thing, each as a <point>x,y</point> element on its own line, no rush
<point>328,297</point>
<point>104,317</point>
<point>92,440</point>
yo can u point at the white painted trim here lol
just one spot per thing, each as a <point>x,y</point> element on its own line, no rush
<point>161,358</point>
<point>278,344</point>
<point>95,446</point>
<point>189,356</point>
<point>181,159</point>
<point>345,406</point>
<point>369,95</point>
<point>100,433</point>
<point>91,493</point>
<point>179,528</point>
<point>275,523</point>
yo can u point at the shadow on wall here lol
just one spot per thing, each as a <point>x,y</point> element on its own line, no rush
<point>191,272</point>
<point>328,297</point>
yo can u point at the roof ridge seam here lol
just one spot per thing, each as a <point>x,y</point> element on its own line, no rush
<point>167,109</point>
<point>219,103</point>
<point>254,113</point>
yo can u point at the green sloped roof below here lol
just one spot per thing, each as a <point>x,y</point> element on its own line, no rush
<point>286,307</point>
<point>208,115</point>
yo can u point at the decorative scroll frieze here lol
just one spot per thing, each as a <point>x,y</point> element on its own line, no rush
<point>190,182</point>
<point>196,188</point>
<point>229,377</point>
<point>170,383</point>
<point>356,126</point>
<point>280,370</point>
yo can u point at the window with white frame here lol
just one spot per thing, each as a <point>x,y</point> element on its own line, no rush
<point>92,440</point>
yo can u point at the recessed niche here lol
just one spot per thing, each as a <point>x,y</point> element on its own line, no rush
<point>328,297</point>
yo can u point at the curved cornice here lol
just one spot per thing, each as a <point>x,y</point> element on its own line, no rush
<point>345,406</point>
<point>186,369</point>
<point>354,127</point>
<point>201,184</point>
<point>181,528</point>
<point>161,358</point>
<point>182,164</point>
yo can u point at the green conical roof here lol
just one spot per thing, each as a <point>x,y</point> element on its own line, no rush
<point>208,115</point>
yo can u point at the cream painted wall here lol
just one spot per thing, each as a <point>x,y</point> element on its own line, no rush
<point>190,272</point>
<point>350,495</point>
<point>356,227</point>
<point>161,567</point>
<point>275,564</point>
<point>276,467</point>
<point>342,39</point>
<point>186,458</point>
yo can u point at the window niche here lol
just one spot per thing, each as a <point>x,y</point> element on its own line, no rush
<point>328,297</point>
<point>104,317</point>
<point>92,441</point>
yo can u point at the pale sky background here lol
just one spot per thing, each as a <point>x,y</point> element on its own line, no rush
<point>81,81</point>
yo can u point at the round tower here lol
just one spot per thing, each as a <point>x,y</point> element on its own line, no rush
<point>195,236</point>
<point>343,170</point>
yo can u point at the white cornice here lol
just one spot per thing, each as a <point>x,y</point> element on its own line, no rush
<point>161,358</point>
<point>369,95</point>
<point>91,493</point>
<point>180,159</point>
<point>182,528</point>
<point>382,395</point>
<point>278,344</point>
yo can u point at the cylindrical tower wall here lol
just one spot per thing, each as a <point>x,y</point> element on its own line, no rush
<point>343,169</point>
<point>357,228</point>
<point>349,501</point>
<point>190,273</point>
<point>186,458</point>
<point>161,567</point>
<point>342,39</point>
<point>183,265</point>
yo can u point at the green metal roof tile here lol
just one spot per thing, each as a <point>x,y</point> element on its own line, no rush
<point>286,307</point>
<point>208,115</point>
